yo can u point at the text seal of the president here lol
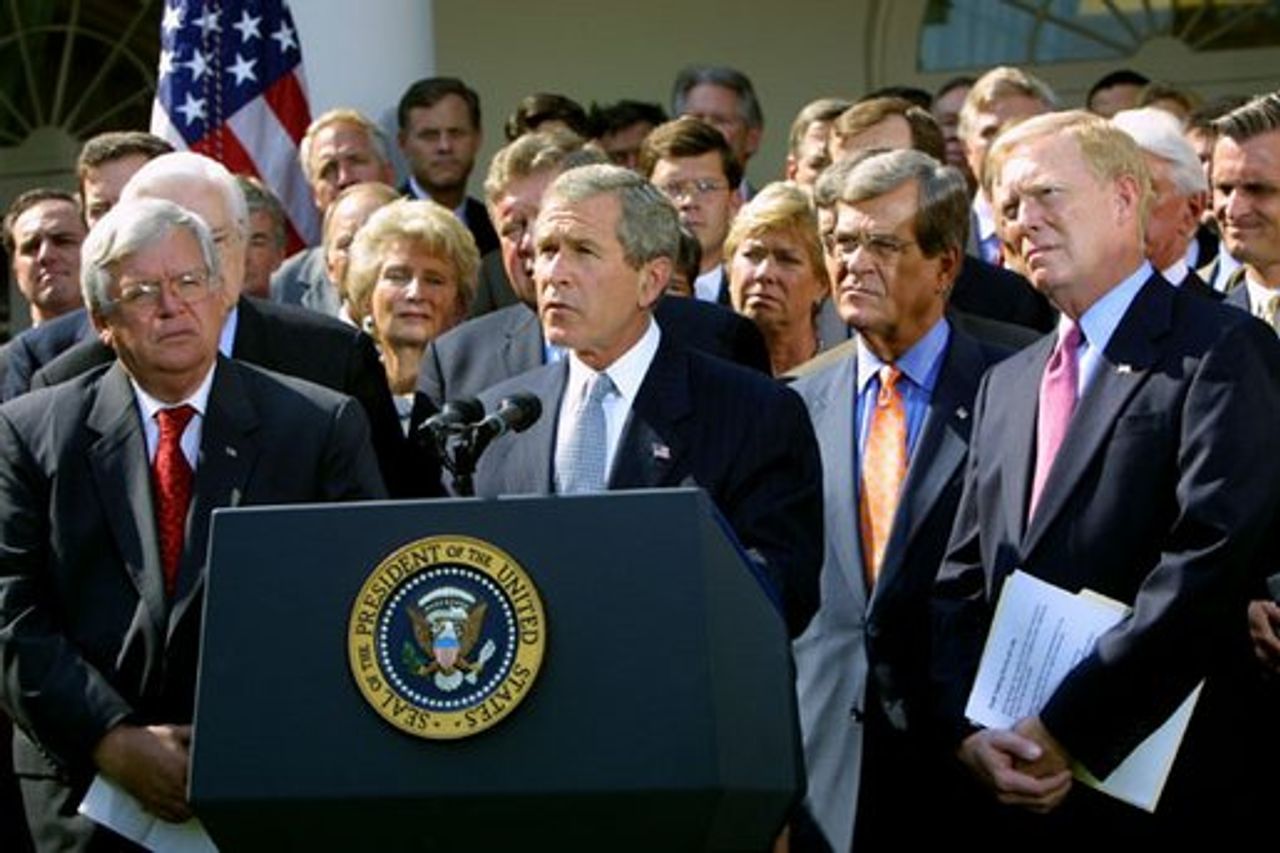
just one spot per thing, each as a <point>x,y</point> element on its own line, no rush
<point>446,637</point>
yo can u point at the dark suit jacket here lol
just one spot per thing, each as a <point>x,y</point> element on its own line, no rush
<point>986,290</point>
<point>87,637</point>
<point>493,290</point>
<point>697,421</point>
<point>475,217</point>
<point>34,348</point>
<point>1164,487</point>
<point>1194,284</point>
<point>319,349</point>
<point>486,350</point>
<point>873,645</point>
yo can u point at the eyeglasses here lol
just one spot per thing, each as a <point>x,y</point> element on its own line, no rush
<point>882,247</point>
<point>691,189</point>
<point>188,287</point>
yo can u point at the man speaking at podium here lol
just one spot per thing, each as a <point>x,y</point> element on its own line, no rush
<point>107,483</point>
<point>629,408</point>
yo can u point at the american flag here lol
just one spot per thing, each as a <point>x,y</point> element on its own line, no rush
<point>231,86</point>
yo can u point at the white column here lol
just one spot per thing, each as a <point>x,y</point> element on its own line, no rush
<point>364,55</point>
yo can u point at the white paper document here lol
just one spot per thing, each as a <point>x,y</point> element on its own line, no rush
<point>1038,634</point>
<point>115,808</point>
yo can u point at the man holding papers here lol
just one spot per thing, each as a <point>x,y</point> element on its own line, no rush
<point>1128,454</point>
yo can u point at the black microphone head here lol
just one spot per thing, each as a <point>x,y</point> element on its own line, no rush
<point>465,410</point>
<point>520,410</point>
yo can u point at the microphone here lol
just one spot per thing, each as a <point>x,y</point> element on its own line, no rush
<point>455,415</point>
<point>514,414</point>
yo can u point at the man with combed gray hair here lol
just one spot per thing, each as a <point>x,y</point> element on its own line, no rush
<point>1179,191</point>
<point>630,406</point>
<point>341,147</point>
<point>284,338</point>
<point>485,350</point>
<point>107,483</point>
<point>894,398</point>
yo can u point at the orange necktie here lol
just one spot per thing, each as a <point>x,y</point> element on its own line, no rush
<point>884,467</point>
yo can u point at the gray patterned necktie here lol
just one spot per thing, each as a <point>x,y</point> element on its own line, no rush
<point>580,462</point>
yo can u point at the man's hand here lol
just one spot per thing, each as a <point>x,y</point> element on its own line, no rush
<point>1264,630</point>
<point>1017,767</point>
<point>151,763</point>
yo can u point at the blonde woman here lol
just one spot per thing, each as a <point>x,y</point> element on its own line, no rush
<point>412,276</point>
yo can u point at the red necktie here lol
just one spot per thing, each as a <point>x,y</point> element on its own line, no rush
<point>884,467</point>
<point>1057,402</point>
<point>171,476</point>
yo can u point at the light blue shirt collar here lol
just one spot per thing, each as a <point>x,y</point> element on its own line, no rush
<point>920,364</point>
<point>1102,319</point>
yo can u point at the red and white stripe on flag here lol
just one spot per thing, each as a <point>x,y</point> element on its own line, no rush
<point>230,85</point>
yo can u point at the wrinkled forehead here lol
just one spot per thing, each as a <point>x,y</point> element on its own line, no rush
<point>49,215</point>
<point>593,217</point>
<point>885,213</point>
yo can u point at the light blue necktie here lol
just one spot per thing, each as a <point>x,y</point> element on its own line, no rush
<point>580,462</point>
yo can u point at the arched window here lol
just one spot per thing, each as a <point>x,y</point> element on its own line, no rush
<point>964,34</point>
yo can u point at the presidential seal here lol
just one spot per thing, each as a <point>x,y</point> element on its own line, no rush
<point>446,637</point>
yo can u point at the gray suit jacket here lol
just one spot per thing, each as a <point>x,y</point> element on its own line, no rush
<point>303,279</point>
<point>858,632</point>
<point>88,639</point>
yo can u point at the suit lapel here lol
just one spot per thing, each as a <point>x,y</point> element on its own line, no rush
<point>1015,424</point>
<point>522,463</point>
<point>1238,297</point>
<point>831,408</point>
<point>1124,366</point>
<point>523,345</point>
<point>652,447</point>
<point>123,477</point>
<point>251,339</point>
<point>940,450</point>
<point>228,452</point>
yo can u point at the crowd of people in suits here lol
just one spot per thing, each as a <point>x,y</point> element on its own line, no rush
<point>966,333</point>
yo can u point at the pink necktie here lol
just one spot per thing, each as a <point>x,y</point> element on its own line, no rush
<point>1057,402</point>
<point>172,476</point>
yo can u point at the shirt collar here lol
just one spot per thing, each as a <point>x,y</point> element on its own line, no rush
<point>199,399</point>
<point>1099,323</point>
<point>920,363</point>
<point>627,371</point>
<point>985,215</point>
<point>420,192</point>
<point>1176,273</point>
<point>227,338</point>
<point>1259,295</point>
<point>707,286</point>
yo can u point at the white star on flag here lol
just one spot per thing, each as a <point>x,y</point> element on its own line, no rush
<point>248,27</point>
<point>243,69</point>
<point>197,66</point>
<point>192,108</point>
<point>172,19</point>
<point>284,35</point>
<point>231,86</point>
<point>208,22</point>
